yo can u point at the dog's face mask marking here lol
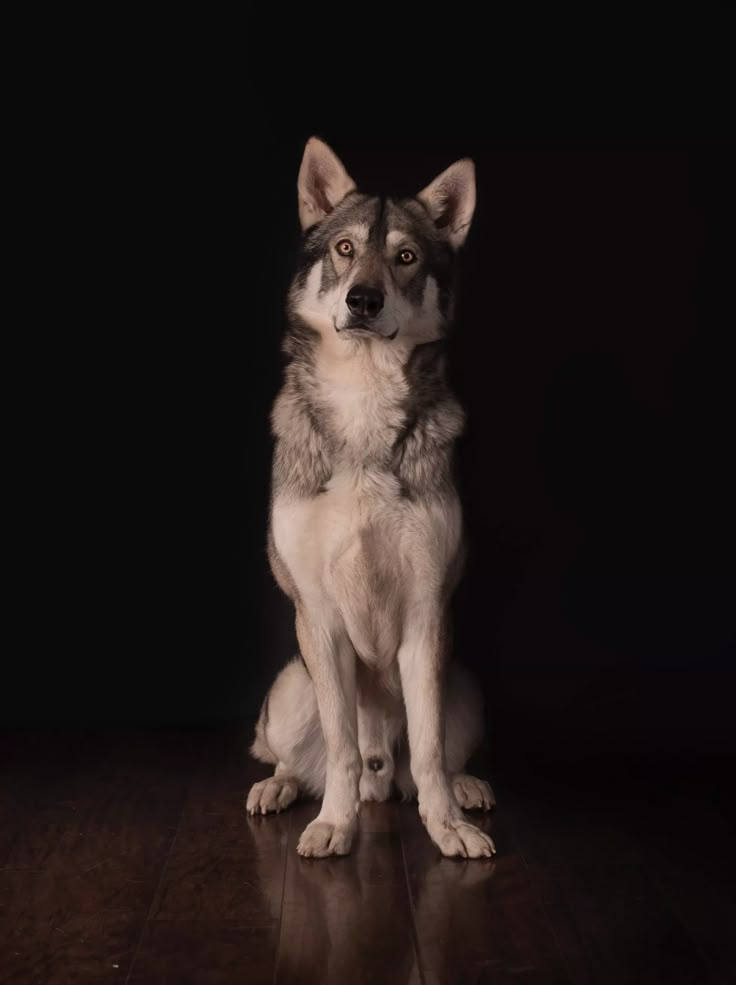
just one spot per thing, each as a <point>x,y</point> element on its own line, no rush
<point>375,268</point>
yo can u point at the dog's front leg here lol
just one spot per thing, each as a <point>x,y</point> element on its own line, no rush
<point>421,656</point>
<point>330,659</point>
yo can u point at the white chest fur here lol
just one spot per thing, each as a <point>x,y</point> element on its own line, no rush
<point>362,390</point>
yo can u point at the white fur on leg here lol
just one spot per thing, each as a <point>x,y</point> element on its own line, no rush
<point>463,734</point>
<point>331,660</point>
<point>419,661</point>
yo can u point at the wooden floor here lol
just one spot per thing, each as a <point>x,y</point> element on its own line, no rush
<point>127,857</point>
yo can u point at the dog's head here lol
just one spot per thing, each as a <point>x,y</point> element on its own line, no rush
<point>378,269</point>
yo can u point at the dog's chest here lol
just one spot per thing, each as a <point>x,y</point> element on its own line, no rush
<point>359,547</point>
<point>339,539</point>
<point>363,401</point>
<point>342,539</point>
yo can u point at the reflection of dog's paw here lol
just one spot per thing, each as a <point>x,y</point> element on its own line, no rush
<point>321,838</point>
<point>272,795</point>
<point>459,838</point>
<point>471,793</point>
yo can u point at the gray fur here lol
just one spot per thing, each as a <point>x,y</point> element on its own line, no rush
<point>421,453</point>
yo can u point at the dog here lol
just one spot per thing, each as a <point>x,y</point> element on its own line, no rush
<point>365,532</point>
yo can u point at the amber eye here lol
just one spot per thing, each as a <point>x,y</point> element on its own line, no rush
<point>406,256</point>
<point>345,248</point>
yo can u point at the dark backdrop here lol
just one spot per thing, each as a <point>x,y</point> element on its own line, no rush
<point>598,599</point>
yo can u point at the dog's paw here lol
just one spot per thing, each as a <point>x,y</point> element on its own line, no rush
<point>272,795</point>
<point>471,793</point>
<point>458,838</point>
<point>321,838</point>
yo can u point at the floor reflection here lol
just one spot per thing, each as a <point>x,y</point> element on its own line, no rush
<point>342,917</point>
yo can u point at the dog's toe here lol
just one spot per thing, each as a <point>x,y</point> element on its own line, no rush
<point>321,839</point>
<point>461,839</point>
<point>272,795</point>
<point>472,793</point>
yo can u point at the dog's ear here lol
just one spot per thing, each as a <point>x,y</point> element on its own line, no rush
<point>323,182</point>
<point>450,201</point>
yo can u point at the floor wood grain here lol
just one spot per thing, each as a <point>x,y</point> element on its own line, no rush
<point>127,857</point>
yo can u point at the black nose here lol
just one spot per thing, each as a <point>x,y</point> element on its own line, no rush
<point>364,302</point>
<point>375,764</point>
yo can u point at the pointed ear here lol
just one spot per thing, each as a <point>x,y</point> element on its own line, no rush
<point>323,182</point>
<point>450,201</point>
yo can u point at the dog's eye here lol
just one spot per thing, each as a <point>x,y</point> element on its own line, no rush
<point>407,256</point>
<point>345,248</point>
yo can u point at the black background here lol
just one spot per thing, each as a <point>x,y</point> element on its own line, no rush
<point>597,605</point>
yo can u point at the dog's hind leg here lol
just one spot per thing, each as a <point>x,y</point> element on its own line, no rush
<point>463,735</point>
<point>289,735</point>
<point>274,794</point>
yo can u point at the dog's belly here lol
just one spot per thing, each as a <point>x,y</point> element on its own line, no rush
<point>356,551</point>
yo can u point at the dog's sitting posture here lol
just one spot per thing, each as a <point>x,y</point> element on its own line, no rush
<point>366,534</point>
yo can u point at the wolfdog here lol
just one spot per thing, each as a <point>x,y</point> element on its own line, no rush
<point>365,533</point>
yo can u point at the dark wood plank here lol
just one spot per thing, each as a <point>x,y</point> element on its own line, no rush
<point>130,851</point>
<point>224,865</point>
<point>478,920</point>
<point>691,857</point>
<point>52,930</point>
<point>91,824</point>
<point>587,841</point>
<point>204,953</point>
<point>215,917</point>
<point>614,927</point>
<point>46,770</point>
<point>348,920</point>
<point>10,825</point>
<point>568,822</point>
<point>226,870</point>
<point>30,840</point>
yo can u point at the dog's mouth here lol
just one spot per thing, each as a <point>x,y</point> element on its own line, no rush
<point>357,327</point>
